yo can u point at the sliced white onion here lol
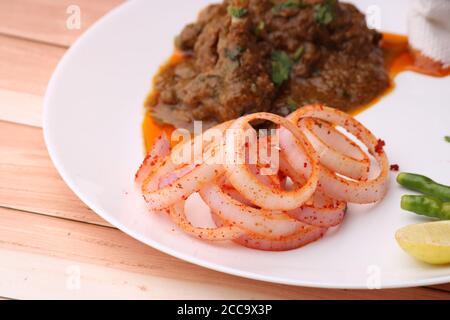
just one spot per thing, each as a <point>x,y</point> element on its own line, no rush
<point>183,187</point>
<point>267,212</point>
<point>226,232</point>
<point>336,186</point>
<point>160,150</point>
<point>182,182</point>
<point>336,151</point>
<point>264,222</point>
<point>323,212</point>
<point>306,235</point>
<point>250,187</point>
<point>175,175</point>
<point>320,210</point>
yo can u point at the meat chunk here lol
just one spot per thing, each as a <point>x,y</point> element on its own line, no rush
<point>329,55</point>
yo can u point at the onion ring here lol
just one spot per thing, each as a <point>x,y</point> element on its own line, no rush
<point>323,212</point>
<point>250,187</point>
<point>320,210</point>
<point>303,237</point>
<point>260,221</point>
<point>159,151</point>
<point>338,187</point>
<point>336,152</point>
<point>267,205</point>
<point>222,233</point>
<point>182,186</point>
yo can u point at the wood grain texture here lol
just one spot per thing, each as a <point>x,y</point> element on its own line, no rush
<point>32,276</point>
<point>26,66</point>
<point>46,20</point>
<point>29,181</point>
<point>107,247</point>
<point>21,108</point>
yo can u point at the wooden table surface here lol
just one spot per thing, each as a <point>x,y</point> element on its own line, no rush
<point>51,244</point>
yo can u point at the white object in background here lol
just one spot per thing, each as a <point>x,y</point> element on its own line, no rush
<point>429,29</point>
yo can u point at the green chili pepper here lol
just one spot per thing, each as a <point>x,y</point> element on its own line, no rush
<point>424,185</point>
<point>426,206</point>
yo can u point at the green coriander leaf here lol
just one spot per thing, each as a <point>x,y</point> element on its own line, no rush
<point>281,67</point>
<point>260,27</point>
<point>289,4</point>
<point>324,12</point>
<point>237,12</point>
<point>447,138</point>
<point>299,53</point>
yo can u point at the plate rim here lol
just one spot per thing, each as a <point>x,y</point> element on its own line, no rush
<point>156,245</point>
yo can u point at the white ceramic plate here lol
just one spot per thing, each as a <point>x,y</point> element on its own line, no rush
<point>92,126</point>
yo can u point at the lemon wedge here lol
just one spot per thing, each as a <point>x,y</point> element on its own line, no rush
<point>428,242</point>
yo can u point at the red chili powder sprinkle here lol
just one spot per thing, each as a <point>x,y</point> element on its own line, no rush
<point>380,145</point>
<point>395,167</point>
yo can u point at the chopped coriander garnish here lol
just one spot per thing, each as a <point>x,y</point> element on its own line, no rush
<point>324,12</point>
<point>234,53</point>
<point>292,105</point>
<point>299,53</point>
<point>447,138</point>
<point>237,12</point>
<point>281,67</point>
<point>260,27</point>
<point>289,4</point>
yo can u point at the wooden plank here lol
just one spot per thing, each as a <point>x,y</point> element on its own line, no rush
<point>107,247</point>
<point>26,66</point>
<point>21,108</point>
<point>32,276</point>
<point>46,20</point>
<point>29,181</point>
